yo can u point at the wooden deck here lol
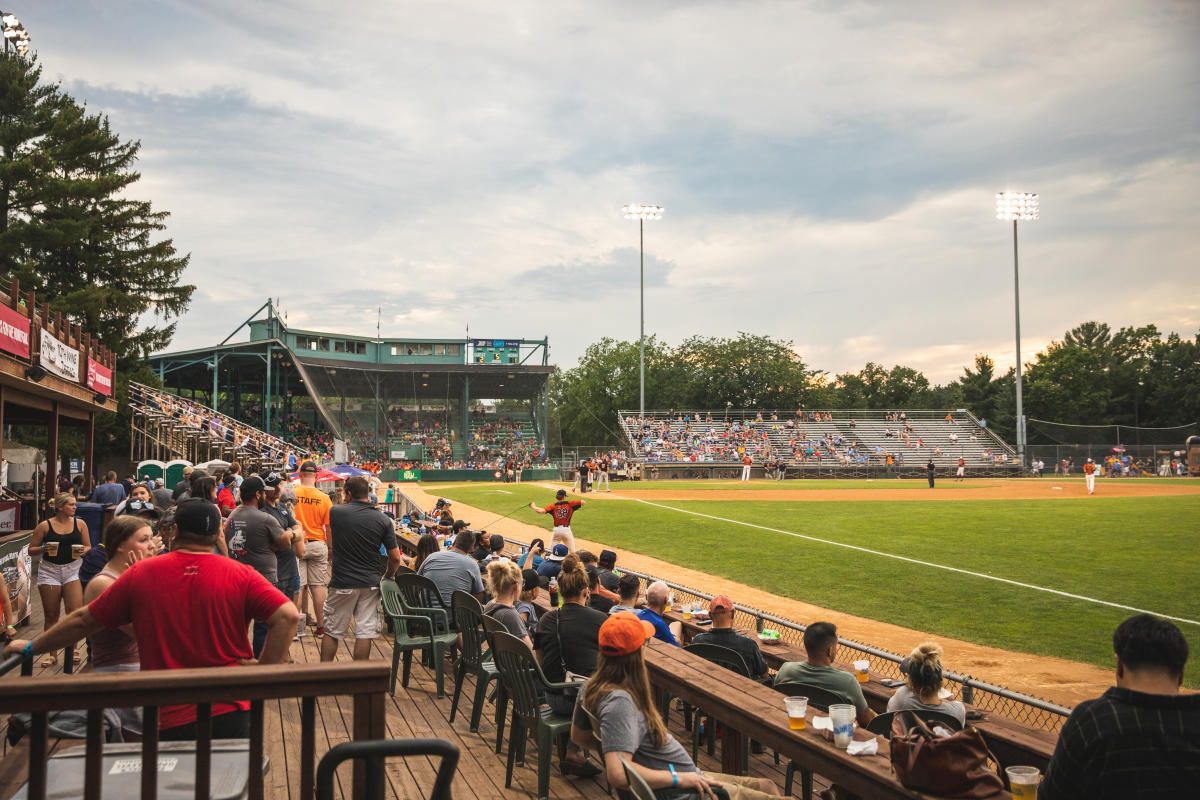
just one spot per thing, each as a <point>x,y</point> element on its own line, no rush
<point>415,712</point>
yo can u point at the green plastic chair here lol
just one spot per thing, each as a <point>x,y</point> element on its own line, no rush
<point>468,618</point>
<point>817,698</point>
<point>882,724</point>
<point>415,628</point>
<point>519,672</point>
<point>730,660</point>
<point>492,626</point>
<point>641,790</point>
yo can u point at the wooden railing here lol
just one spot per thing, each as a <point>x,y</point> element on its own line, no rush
<point>366,682</point>
<point>68,332</point>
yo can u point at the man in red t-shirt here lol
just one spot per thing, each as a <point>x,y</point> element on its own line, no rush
<point>561,511</point>
<point>188,608</point>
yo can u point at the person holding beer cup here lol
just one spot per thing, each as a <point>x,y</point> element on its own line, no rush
<point>61,541</point>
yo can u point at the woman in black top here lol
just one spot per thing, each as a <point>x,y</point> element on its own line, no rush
<point>61,542</point>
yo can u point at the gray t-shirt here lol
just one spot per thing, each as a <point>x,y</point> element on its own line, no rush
<point>286,564</point>
<point>623,730</point>
<point>508,617</point>
<point>250,534</point>
<point>905,700</point>
<point>450,570</point>
<point>357,530</point>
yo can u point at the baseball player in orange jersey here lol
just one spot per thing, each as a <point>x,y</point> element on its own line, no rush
<point>561,511</point>
<point>1089,475</point>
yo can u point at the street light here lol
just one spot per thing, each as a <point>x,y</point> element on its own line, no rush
<point>1017,206</point>
<point>14,33</point>
<point>642,212</point>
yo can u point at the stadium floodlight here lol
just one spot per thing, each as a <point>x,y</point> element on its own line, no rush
<point>14,33</point>
<point>1015,207</point>
<point>642,212</point>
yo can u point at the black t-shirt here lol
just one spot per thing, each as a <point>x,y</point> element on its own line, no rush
<point>357,530</point>
<point>580,640</point>
<point>609,579</point>
<point>601,604</point>
<point>744,646</point>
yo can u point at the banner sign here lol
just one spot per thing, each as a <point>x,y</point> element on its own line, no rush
<point>408,475</point>
<point>60,359</point>
<point>99,377</point>
<point>15,564</point>
<point>14,332</point>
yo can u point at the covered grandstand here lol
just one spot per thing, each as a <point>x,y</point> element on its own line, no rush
<point>814,444</point>
<point>398,401</point>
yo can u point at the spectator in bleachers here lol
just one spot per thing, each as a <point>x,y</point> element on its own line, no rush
<point>532,558</point>
<point>608,564</point>
<point>427,545</point>
<point>526,604</point>
<point>1141,738</point>
<point>631,728</point>
<point>658,595</point>
<point>552,564</point>
<point>720,610</point>
<point>629,589</point>
<point>923,684</point>
<point>454,569</point>
<point>504,584</point>
<point>820,646</point>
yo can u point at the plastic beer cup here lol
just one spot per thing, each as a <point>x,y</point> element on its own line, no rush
<point>797,707</point>
<point>1024,782</point>
<point>52,549</point>
<point>842,716</point>
<point>862,670</point>
<point>77,550</point>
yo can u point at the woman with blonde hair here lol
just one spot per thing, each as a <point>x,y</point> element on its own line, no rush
<point>504,584</point>
<point>619,697</point>
<point>923,684</point>
<point>61,541</point>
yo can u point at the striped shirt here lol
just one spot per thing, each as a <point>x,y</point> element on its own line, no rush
<point>1127,745</point>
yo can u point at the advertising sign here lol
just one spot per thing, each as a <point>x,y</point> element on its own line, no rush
<point>99,377</point>
<point>399,450</point>
<point>410,475</point>
<point>16,566</point>
<point>14,332</point>
<point>60,359</point>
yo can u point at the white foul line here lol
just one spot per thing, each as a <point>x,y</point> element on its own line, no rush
<point>918,561</point>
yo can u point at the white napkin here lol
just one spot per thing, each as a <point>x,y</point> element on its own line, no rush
<point>868,748</point>
<point>822,723</point>
<point>944,694</point>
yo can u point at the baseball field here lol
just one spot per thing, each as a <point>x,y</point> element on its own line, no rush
<point>1031,566</point>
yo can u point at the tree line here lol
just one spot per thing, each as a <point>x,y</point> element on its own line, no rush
<point>1092,376</point>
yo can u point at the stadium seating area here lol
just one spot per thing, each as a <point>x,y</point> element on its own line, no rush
<point>850,439</point>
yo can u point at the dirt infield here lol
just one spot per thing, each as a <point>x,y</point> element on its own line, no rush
<point>1027,489</point>
<point>1056,679</point>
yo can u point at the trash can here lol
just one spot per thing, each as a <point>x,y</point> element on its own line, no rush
<point>121,769</point>
<point>93,515</point>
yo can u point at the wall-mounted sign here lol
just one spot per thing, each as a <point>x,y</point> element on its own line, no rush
<point>59,358</point>
<point>14,332</point>
<point>99,378</point>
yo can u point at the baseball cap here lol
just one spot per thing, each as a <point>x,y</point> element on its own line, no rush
<point>530,579</point>
<point>623,634</point>
<point>198,517</point>
<point>558,553</point>
<point>460,524</point>
<point>308,466</point>
<point>273,479</point>
<point>560,494</point>
<point>719,603</point>
<point>252,486</point>
<point>607,558</point>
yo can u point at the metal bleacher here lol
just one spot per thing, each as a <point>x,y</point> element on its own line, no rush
<point>166,426</point>
<point>833,443</point>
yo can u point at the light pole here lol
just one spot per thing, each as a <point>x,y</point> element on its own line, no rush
<point>642,212</point>
<point>1017,206</point>
<point>15,35</point>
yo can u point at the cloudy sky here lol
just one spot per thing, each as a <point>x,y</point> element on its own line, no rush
<point>827,168</point>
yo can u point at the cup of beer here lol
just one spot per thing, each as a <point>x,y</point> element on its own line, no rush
<point>797,707</point>
<point>862,670</point>
<point>1024,782</point>
<point>52,549</point>
<point>77,550</point>
<point>842,715</point>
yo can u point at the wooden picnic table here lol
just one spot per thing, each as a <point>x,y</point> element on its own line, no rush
<point>745,707</point>
<point>1010,741</point>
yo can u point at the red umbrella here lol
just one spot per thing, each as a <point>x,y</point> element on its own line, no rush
<point>323,476</point>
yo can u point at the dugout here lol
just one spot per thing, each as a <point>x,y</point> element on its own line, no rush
<point>369,392</point>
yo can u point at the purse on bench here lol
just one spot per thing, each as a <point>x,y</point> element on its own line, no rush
<point>959,765</point>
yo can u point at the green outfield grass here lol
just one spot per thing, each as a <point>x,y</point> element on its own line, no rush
<point>1139,552</point>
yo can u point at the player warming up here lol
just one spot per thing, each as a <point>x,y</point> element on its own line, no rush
<point>561,511</point>
<point>1089,475</point>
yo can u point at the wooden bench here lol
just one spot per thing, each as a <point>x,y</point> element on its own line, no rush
<point>745,707</point>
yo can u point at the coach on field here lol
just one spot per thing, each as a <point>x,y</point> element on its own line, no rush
<point>561,510</point>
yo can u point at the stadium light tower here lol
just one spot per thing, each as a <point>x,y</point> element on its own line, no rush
<point>642,212</point>
<point>1017,206</point>
<point>15,35</point>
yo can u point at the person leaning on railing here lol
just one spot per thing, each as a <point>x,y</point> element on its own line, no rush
<point>164,597</point>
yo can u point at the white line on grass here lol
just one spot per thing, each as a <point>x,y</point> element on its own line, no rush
<point>1009,581</point>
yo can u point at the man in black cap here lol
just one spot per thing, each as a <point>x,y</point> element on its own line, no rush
<point>254,537</point>
<point>163,598</point>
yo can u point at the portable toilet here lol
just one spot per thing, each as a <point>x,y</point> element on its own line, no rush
<point>175,472</point>
<point>150,469</point>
